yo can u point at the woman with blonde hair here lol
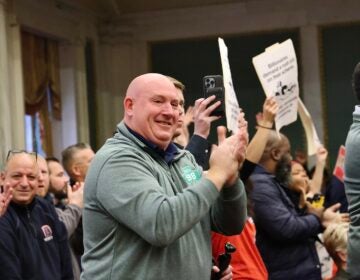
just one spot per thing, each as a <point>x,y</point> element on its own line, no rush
<point>335,241</point>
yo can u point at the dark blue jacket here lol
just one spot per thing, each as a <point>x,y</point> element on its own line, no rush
<point>334,193</point>
<point>33,243</point>
<point>200,148</point>
<point>285,235</point>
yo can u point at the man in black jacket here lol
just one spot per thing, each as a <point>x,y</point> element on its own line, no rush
<point>285,234</point>
<point>33,241</point>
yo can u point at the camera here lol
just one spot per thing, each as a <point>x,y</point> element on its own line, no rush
<point>224,259</point>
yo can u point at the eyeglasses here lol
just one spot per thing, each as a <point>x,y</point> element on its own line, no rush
<point>14,152</point>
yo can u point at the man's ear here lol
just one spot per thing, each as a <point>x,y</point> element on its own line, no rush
<point>2,176</point>
<point>275,154</point>
<point>128,105</point>
<point>76,170</point>
<point>342,255</point>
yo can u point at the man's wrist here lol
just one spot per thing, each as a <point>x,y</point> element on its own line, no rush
<point>266,124</point>
<point>216,178</point>
<point>265,127</point>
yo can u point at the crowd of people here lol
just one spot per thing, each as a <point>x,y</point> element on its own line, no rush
<point>155,202</point>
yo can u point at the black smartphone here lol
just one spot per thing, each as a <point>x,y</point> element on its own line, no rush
<point>214,85</point>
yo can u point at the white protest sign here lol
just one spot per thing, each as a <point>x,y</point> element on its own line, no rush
<point>232,109</point>
<point>278,73</point>
<point>313,141</point>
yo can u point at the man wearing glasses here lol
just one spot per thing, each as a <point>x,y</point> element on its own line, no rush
<point>33,242</point>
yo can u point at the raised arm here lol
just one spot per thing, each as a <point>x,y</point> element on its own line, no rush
<point>257,144</point>
<point>317,179</point>
<point>198,145</point>
<point>202,116</point>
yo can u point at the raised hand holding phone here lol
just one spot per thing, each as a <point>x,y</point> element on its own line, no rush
<point>214,85</point>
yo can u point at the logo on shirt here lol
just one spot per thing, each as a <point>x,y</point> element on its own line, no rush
<point>48,235</point>
<point>190,174</point>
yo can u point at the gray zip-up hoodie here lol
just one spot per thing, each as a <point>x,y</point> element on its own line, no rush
<point>146,219</point>
<point>352,189</point>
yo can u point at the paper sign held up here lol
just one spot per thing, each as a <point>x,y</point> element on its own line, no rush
<point>232,109</point>
<point>278,73</point>
<point>313,141</point>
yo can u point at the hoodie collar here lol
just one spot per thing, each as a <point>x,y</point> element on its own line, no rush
<point>168,154</point>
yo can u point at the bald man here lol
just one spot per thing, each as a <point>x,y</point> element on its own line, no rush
<point>149,208</point>
<point>285,234</point>
<point>33,241</point>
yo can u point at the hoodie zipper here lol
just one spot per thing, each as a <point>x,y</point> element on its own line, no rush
<point>32,227</point>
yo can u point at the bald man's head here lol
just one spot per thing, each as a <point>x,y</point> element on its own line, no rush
<point>146,82</point>
<point>276,158</point>
<point>274,141</point>
<point>151,108</point>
